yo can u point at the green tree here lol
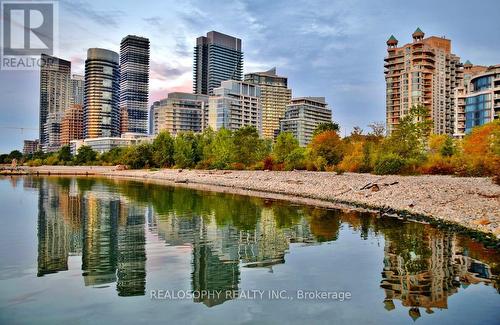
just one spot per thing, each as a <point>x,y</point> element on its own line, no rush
<point>448,148</point>
<point>15,154</point>
<point>85,155</point>
<point>284,145</point>
<point>4,158</point>
<point>64,154</point>
<point>249,147</point>
<point>296,159</point>
<point>113,156</point>
<point>409,140</point>
<point>323,127</point>
<point>222,150</point>
<point>163,150</point>
<point>184,150</point>
<point>140,156</point>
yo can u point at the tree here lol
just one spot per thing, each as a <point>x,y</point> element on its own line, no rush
<point>184,150</point>
<point>221,151</point>
<point>284,145</point>
<point>409,140</point>
<point>323,127</point>
<point>327,145</point>
<point>64,154</point>
<point>163,150</point>
<point>296,159</point>
<point>378,129</point>
<point>140,156</point>
<point>85,155</point>
<point>4,158</point>
<point>249,147</point>
<point>356,131</point>
<point>15,154</point>
<point>113,156</point>
<point>448,148</point>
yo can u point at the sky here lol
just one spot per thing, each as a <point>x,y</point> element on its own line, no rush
<point>326,48</point>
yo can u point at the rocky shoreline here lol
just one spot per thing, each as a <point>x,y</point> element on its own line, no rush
<point>471,202</point>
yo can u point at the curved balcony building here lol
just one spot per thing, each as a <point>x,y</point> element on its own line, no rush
<point>101,114</point>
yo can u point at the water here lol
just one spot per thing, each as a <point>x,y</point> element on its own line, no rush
<point>101,251</point>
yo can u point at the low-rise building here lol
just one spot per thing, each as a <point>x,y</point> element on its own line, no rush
<point>180,112</point>
<point>303,115</point>
<point>105,144</point>
<point>31,146</point>
<point>235,104</point>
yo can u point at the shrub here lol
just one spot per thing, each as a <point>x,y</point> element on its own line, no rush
<point>320,163</point>
<point>237,166</point>
<point>268,163</point>
<point>51,160</point>
<point>389,164</point>
<point>438,165</point>
<point>295,160</point>
<point>35,162</point>
<point>259,165</point>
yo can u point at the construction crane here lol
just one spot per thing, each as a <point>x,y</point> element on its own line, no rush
<point>19,128</point>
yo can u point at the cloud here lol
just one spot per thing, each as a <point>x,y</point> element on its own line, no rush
<point>164,71</point>
<point>83,9</point>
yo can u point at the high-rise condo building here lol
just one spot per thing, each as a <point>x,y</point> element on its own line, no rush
<point>72,124</point>
<point>101,114</point>
<point>217,57</point>
<point>134,84</point>
<point>235,104</point>
<point>423,72</point>
<point>180,112</point>
<point>478,101</point>
<point>303,115</point>
<point>274,96</point>
<point>77,89</point>
<point>55,92</point>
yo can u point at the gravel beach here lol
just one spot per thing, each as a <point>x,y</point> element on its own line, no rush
<point>468,201</point>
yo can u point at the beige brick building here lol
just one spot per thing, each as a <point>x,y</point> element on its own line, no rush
<point>423,72</point>
<point>274,96</point>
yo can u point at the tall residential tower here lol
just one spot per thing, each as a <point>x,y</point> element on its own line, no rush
<point>55,93</point>
<point>134,84</point>
<point>101,115</point>
<point>217,57</point>
<point>423,72</point>
<point>274,96</point>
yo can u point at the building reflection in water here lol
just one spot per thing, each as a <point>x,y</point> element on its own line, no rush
<point>424,266</point>
<point>106,230</point>
<point>105,222</point>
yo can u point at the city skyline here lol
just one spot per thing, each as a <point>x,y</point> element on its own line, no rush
<point>336,51</point>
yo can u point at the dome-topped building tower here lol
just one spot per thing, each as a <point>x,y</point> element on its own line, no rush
<point>423,72</point>
<point>418,35</point>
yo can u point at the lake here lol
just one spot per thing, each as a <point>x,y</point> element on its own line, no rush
<point>90,250</point>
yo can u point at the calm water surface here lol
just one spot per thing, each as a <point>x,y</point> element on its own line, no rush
<point>96,251</point>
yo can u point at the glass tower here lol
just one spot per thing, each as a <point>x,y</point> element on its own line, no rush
<point>217,57</point>
<point>134,83</point>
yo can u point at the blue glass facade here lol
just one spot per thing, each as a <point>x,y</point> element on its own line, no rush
<point>482,83</point>
<point>477,110</point>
